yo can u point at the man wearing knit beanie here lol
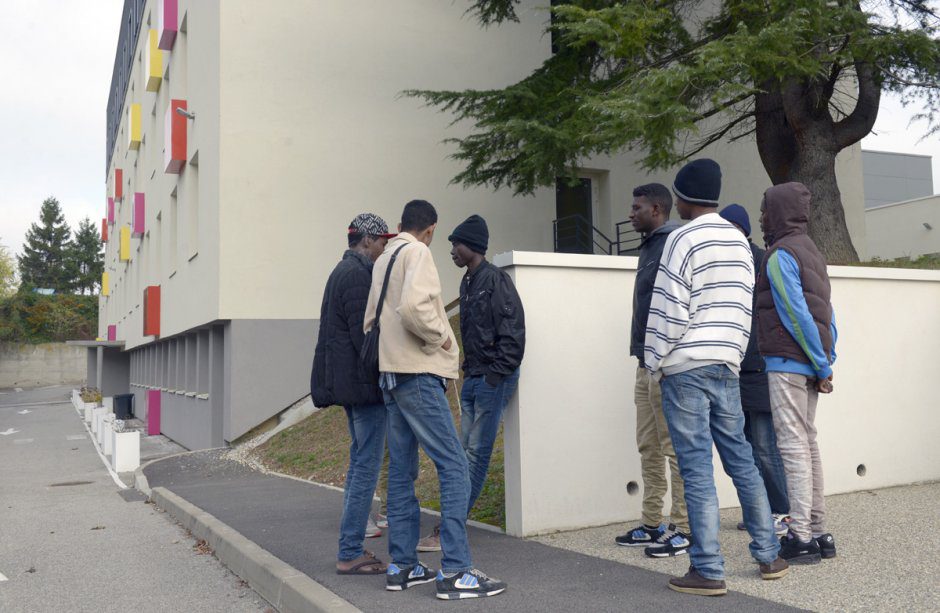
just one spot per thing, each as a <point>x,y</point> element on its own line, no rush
<point>492,327</point>
<point>755,397</point>
<point>696,335</point>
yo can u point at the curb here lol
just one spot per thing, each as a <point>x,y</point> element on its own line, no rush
<point>282,585</point>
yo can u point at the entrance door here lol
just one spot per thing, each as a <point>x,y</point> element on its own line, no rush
<point>574,216</point>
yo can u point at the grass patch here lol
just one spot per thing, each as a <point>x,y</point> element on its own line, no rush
<point>924,262</point>
<point>317,449</point>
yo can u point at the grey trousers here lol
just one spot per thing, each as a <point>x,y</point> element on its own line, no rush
<point>793,400</point>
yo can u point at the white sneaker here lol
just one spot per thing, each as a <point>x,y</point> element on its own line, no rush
<point>372,530</point>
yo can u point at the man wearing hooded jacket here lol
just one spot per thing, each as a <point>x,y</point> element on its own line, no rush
<point>797,337</point>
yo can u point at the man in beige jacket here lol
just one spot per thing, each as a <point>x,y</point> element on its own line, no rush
<point>417,356</point>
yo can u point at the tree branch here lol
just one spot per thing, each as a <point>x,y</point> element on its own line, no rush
<point>862,119</point>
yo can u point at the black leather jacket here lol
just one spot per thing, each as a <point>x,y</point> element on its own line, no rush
<point>492,324</point>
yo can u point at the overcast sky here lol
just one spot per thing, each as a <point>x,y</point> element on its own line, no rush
<point>56,59</point>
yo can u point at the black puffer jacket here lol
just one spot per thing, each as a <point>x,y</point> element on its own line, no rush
<point>492,324</point>
<point>755,393</point>
<point>651,251</point>
<point>337,376</point>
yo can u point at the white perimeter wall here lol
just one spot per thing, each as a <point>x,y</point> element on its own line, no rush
<point>570,433</point>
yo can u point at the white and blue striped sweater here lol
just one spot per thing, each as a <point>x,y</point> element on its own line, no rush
<point>701,308</point>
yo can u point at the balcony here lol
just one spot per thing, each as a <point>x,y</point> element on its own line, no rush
<point>153,62</point>
<point>152,310</point>
<point>167,23</point>
<point>174,147</point>
<point>139,217</point>
<point>133,127</point>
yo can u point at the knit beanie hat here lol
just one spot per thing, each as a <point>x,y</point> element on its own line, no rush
<point>699,182</point>
<point>736,214</point>
<point>473,233</point>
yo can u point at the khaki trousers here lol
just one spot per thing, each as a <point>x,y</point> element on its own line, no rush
<point>655,447</point>
<point>793,405</point>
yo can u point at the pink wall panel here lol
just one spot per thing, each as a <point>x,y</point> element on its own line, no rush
<point>139,213</point>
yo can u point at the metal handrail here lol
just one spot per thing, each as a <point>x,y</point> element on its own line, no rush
<point>584,233</point>
<point>628,241</point>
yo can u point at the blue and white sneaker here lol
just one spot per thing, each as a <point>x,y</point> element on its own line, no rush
<point>641,536</point>
<point>468,584</point>
<point>398,578</point>
<point>671,543</point>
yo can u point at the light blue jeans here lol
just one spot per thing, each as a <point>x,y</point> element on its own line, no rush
<point>481,410</point>
<point>367,430</point>
<point>418,414</point>
<point>702,406</point>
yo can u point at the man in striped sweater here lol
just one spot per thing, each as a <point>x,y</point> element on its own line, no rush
<point>698,328</point>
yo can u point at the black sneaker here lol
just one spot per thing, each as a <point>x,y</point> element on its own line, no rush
<point>641,536</point>
<point>796,552</point>
<point>827,546</point>
<point>669,544</point>
<point>398,578</point>
<point>468,584</point>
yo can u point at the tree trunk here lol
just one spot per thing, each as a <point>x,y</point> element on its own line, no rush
<point>815,167</point>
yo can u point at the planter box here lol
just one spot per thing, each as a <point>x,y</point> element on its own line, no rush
<point>88,409</point>
<point>125,447</point>
<point>96,415</point>
<point>107,435</point>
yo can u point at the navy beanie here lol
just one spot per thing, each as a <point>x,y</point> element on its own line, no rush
<point>473,233</point>
<point>736,214</point>
<point>699,182</point>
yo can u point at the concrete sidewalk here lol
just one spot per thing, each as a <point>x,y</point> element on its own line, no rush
<point>298,522</point>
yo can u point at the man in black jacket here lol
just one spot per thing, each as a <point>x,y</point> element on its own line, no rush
<point>492,327</point>
<point>339,378</point>
<point>649,215</point>
<point>755,397</point>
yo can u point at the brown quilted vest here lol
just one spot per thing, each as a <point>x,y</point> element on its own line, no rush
<point>786,217</point>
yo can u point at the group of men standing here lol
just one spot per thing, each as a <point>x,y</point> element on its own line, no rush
<point>734,346</point>
<point>388,283</point>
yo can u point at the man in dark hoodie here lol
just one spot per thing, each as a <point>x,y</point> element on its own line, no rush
<point>339,378</point>
<point>649,215</point>
<point>755,397</point>
<point>797,337</point>
<point>492,328</point>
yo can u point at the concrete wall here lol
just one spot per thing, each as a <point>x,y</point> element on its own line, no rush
<point>267,368</point>
<point>44,364</point>
<point>895,177</point>
<point>570,432</point>
<point>898,230</point>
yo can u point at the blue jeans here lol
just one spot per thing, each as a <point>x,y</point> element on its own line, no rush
<point>759,431</point>
<point>367,430</point>
<point>481,409</point>
<point>418,414</point>
<point>703,405</point>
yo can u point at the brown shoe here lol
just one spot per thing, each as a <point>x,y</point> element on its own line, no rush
<point>694,583</point>
<point>431,542</point>
<point>774,570</point>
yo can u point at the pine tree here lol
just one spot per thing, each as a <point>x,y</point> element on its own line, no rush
<point>44,263</point>
<point>86,261</point>
<point>670,78</point>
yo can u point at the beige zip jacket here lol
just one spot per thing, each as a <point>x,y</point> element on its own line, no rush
<point>414,323</point>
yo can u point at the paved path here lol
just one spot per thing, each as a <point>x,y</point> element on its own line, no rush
<point>298,522</point>
<point>71,542</point>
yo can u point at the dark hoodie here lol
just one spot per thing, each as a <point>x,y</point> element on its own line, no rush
<point>786,219</point>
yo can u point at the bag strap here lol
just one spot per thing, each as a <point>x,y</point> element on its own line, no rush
<point>388,274</point>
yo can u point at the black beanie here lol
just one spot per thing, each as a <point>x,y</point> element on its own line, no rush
<point>472,233</point>
<point>699,182</point>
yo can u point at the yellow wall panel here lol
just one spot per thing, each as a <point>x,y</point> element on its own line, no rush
<point>153,62</point>
<point>125,254</point>
<point>105,284</point>
<point>133,127</point>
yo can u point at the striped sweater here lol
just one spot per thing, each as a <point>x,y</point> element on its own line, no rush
<point>701,308</point>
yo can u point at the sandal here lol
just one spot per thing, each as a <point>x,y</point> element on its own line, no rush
<point>366,564</point>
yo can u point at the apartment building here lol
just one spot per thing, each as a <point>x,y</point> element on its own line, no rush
<point>242,137</point>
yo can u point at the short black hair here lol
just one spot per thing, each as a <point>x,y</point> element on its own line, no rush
<point>418,216</point>
<point>656,193</point>
<point>355,239</point>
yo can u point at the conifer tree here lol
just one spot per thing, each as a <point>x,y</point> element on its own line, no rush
<point>45,259</point>
<point>86,262</point>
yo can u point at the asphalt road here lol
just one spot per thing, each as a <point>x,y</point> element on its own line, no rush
<point>299,523</point>
<point>70,542</point>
